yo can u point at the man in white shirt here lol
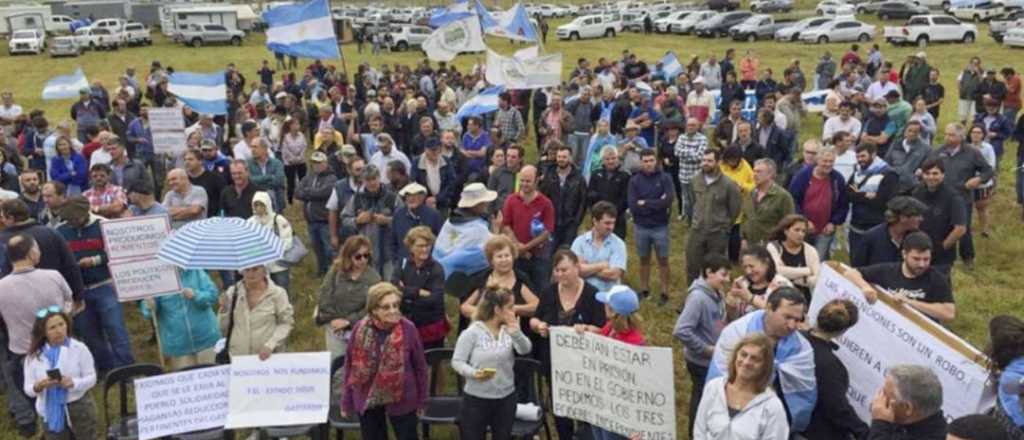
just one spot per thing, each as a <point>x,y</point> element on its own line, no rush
<point>877,90</point>
<point>386,153</point>
<point>242,150</point>
<point>846,158</point>
<point>9,111</point>
<point>842,122</point>
<point>184,201</point>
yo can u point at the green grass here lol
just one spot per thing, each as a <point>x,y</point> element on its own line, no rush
<point>981,293</point>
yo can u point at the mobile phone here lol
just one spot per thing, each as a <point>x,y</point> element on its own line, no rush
<point>489,371</point>
<point>53,374</point>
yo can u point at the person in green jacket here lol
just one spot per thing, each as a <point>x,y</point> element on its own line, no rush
<point>766,205</point>
<point>967,82</point>
<point>187,321</point>
<point>915,77</point>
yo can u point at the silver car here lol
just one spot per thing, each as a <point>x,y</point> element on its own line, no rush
<point>841,29</point>
<point>64,47</point>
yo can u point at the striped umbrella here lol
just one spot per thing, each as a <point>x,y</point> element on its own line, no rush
<point>221,243</point>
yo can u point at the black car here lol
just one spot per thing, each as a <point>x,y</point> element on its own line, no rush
<point>723,5</point>
<point>719,25</point>
<point>900,10</point>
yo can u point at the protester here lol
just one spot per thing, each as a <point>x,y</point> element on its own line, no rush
<point>385,371</point>
<point>794,259</point>
<point>650,203</point>
<point>566,189</point>
<point>832,418</point>
<point>485,355</point>
<point>210,181</point>
<point>976,427</point>
<point>369,212</point>
<point>908,406</point>
<point>965,170</point>
<point>742,404</point>
<point>413,213</point>
<point>914,281</point>
<point>255,315</point>
<point>1006,334</point>
<point>184,201</point>
<point>983,194</point>
<point>881,244</point>
<point>529,218</point>
<point>264,214</point>
<point>314,190</point>
<point>945,221</point>
<point>623,324</point>
<point>342,295</point>
<point>717,204</point>
<point>766,205</point>
<point>421,280</point>
<point>610,184</point>
<point>187,321</point>
<point>500,252</point>
<point>602,254</point>
<point>569,301</point>
<point>869,189</point>
<point>820,194</point>
<point>344,189</point>
<point>64,404</point>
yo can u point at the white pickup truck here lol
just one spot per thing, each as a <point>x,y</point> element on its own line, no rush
<point>924,29</point>
<point>27,41</point>
<point>137,34</point>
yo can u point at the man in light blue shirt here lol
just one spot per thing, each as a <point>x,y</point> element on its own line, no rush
<point>602,254</point>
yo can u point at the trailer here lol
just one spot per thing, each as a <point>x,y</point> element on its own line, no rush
<point>23,16</point>
<point>92,9</point>
<point>176,18</point>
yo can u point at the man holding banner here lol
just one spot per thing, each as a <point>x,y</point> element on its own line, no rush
<point>914,281</point>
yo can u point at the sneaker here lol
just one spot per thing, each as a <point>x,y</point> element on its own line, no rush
<point>662,299</point>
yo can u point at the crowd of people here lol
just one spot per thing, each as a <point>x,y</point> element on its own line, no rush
<point>381,170</point>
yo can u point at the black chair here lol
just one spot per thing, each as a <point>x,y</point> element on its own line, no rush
<point>315,432</point>
<point>334,418</point>
<point>208,434</point>
<point>528,373</point>
<point>127,426</point>
<point>441,408</point>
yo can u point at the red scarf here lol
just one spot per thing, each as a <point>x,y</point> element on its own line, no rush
<point>378,368</point>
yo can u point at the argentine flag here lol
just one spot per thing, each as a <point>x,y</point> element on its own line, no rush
<point>305,30</point>
<point>460,247</point>
<point>485,102</point>
<point>814,101</point>
<point>670,66</point>
<point>65,86</point>
<point>513,24</point>
<point>454,12</point>
<point>205,93</point>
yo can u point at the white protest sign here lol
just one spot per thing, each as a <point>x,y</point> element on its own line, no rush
<point>134,237</point>
<point>884,337</point>
<point>188,401</point>
<point>286,389</point>
<point>167,126</point>
<point>626,389</point>
<point>145,278</point>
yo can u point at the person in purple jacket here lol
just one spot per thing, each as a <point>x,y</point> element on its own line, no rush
<point>820,195</point>
<point>385,370</point>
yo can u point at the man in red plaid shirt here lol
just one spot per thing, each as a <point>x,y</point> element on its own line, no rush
<point>105,199</point>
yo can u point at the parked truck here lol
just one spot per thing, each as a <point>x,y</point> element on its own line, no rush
<point>924,29</point>
<point>757,27</point>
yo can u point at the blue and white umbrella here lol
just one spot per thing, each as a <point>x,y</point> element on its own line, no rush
<point>221,243</point>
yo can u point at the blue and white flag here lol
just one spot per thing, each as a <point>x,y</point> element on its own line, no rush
<point>670,65</point>
<point>65,86</point>
<point>304,30</point>
<point>485,102</point>
<point>204,92</point>
<point>487,20</point>
<point>794,363</point>
<point>814,101</point>
<point>460,247</point>
<point>454,12</point>
<point>513,24</point>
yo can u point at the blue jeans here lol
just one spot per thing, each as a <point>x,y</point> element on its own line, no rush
<point>320,240</point>
<point>648,237</point>
<point>967,241</point>
<point>823,244</point>
<point>101,327</point>
<point>18,404</point>
<point>579,142</point>
<point>537,269</point>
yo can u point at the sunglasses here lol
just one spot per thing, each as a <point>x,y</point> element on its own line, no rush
<point>363,256</point>
<point>46,311</point>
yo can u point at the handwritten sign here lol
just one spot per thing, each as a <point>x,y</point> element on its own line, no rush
<point>165,119</point>
<point>286,389</point>
<point>188,401</point>
<point>145,278</point>
<point>167,126</point>
<point>134,237</point>
<point>626,389</point>
<point>169,142</point>
<point>910,338</point>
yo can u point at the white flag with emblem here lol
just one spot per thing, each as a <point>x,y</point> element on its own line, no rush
<point>454,38</point>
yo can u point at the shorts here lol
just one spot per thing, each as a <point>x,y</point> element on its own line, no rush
<point>982,194</point>
<point>965,109</point>
<point>656,236</point>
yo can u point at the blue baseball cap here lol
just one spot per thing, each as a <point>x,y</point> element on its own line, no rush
<point>621,299</point>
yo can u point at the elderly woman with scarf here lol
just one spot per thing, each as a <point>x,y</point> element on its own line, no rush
<point>385,370</point>
<point>263,214</point>
<point>64,399</point>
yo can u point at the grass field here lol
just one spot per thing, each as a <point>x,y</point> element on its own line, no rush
<point>981,293</point>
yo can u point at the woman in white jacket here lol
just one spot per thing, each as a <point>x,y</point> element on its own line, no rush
<point>742,405</point>
<point>263,213</point>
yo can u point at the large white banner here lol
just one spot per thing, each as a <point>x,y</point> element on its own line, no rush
<point>885,336</point>
<point>522,71</point>
<point>286,389</point>
<point>626,389</point>
<point>188,401</point>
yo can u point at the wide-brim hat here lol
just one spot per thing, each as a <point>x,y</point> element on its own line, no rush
<point>475,194</point>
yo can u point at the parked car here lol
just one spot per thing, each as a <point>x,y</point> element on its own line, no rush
<point>766,6</point>
<point>64,47</point>
<point>870,7</point>
<point>662,25</point>
<point>690,21</point>
<point>900,10</point>
<point>590,26</point>
<point>93,38</point>
<point>761,26</point>
<point>834,8</point>
<point>999,26</point>
<point>1014,38</point>
<point>978,12</point>
<point>27,41</point>
<point>137,34</point>
<point>59,25</point>
<point>792,32</point>
<point>114,25</point>
<point>839,30</point>
<point>198,35</point>
<point>719,25</point>
<point>723,5</point>
<point>404,37</point>
<point>924,29</point>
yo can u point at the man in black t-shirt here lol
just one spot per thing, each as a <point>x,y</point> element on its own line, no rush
<point>914,282</point>
<point>945,221</point>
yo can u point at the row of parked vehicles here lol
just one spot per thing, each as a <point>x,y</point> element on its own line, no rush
<point>109,34</point>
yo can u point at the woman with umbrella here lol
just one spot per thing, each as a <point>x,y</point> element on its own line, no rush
<point>343,293</point>
<point>385,370</point>
<point>260,315</point>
